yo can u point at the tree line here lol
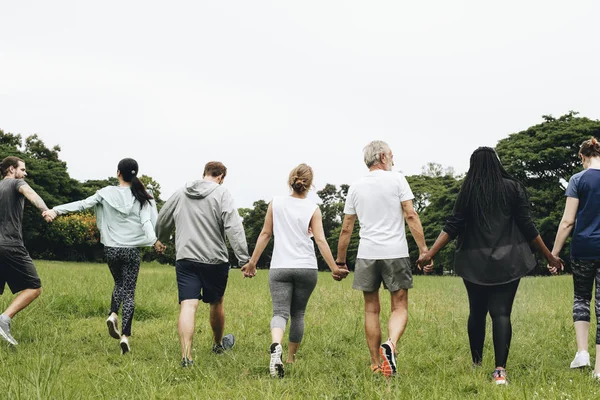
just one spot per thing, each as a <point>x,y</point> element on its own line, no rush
<point>543,157</point>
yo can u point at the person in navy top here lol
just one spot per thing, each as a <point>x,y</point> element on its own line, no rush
<point>582,211</point>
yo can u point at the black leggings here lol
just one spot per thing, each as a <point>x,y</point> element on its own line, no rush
<point>498,301</point>
<point>124,265</point>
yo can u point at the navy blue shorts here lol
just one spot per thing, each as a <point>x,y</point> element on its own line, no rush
<point>17,269</point>
<point>199,281</point>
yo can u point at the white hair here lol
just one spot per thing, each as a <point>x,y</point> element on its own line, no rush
<point>373,151</point>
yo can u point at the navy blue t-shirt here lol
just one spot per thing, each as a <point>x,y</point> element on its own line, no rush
<point>585,186</point>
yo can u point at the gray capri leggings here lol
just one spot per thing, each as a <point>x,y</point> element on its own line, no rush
<point>290,290</point>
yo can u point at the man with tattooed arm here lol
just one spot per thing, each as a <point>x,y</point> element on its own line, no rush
<point>16,266</point>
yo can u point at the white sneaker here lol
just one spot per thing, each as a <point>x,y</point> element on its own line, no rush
<point>276,365</point>
<point>596,375</point>
<point>582,359</point>
<point>113,327</point>
<point>124,343</point>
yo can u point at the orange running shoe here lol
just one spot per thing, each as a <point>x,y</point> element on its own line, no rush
<point>388,367</point>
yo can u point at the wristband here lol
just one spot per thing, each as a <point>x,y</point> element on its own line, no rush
<point>340,263</point>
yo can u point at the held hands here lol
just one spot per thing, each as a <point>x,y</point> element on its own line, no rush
<point>49,215</point>
<point>340,272</point>
<point>159,247</point>
<point>555,264</point>
<point>425,263</point>
<point>249,270</point>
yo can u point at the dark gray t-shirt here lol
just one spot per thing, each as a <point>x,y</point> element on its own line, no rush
<point>11,212</point>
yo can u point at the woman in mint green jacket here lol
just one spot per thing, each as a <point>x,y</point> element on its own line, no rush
<point>125,215</point>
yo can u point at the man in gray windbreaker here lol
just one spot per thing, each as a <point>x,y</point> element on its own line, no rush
<point>202,214</point>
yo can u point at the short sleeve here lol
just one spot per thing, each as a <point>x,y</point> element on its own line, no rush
<point>349,206</point>
<point>405,191</point>
<point>572,187</point>
<point>19,183</point>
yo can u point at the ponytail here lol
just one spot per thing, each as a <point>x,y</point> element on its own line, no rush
<point>129,170</point>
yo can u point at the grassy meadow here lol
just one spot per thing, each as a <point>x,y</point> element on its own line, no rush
<point>65,352</point>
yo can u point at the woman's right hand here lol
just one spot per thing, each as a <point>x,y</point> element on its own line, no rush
<point>340,272</point>
<point>555,264</point>
<point>249,270</point>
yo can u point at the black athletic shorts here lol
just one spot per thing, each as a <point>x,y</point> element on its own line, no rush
<point>17,269</point>
<point>196,280</point>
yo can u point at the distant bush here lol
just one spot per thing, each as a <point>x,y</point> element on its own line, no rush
<point>74,237</point>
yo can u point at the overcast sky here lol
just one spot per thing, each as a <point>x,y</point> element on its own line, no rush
<point>265,85</point>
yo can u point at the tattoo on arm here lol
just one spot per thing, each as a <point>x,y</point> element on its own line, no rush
<point>33,197</point>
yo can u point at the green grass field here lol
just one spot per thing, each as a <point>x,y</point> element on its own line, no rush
<point>64,349</point>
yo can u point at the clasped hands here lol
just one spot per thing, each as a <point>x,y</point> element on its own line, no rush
<point>249,271</point>
<point>425,263</point>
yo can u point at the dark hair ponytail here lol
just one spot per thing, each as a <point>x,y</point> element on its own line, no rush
<point>128,168</point>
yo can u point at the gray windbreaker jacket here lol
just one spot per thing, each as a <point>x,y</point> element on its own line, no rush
<point>203,214</point>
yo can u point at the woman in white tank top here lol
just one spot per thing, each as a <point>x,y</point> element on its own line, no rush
<point>293,273</point>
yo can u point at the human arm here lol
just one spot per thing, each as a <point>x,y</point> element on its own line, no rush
<point>249,270</point>
<point>555,264</point>
<point>527,227</point>
<point>454,226</point>
<point>75,206</point>
<point>165,222</point>
<point>564,229</point>
<point>414,224</point>
<point>234,229</point>
<point>344,240</point>
<point>35,199</point>
<point>316,226</point>
<point>566,224</point>
<point>425,261</point>
<point>146,216</point>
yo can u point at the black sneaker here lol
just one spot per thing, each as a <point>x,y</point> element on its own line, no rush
<point>185,363</point>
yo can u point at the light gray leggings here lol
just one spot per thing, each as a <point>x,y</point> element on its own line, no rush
<point>290,290</point>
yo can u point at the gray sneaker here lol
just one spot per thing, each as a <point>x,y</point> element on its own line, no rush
<point>5,332</point>
<point>226,344</point>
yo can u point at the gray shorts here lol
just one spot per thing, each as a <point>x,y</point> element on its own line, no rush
<point>396,274</point>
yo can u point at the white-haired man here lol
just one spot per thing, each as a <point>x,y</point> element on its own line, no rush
<point>382,202</point>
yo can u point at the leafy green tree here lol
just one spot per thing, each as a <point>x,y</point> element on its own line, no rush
<point>254,219</point>
<point>435,192</point>
<point>48,176</point>
<point>544,157</point>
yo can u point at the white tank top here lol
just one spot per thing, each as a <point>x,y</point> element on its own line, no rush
<point>293,247</point>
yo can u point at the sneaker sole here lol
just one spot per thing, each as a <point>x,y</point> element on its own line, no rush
<point>124,348</point>
<point>276,365</point>
<point>7,338</point>
<point>227,348</point>
<point>575,366</point>
<point>112,329</point>
<point>388,367</point>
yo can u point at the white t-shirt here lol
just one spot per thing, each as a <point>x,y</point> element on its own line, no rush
<point>293,247</point>
<point>375,199</point>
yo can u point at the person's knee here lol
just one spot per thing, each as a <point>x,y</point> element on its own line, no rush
<point>372,305</point>
<point>36,292</point>
<point>189,305</point>
<point>400,300</point>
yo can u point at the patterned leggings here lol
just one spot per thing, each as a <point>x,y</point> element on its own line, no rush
<point>124,265</point>
<point>584,273</point>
